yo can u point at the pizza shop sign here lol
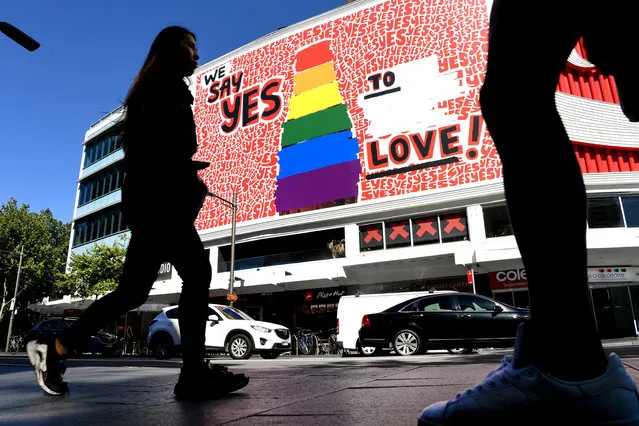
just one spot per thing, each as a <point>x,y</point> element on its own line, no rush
<point>323,295</point>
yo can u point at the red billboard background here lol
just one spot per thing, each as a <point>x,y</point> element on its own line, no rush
<point>242,105</point>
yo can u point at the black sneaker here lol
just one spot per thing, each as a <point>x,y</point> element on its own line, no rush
<point>48,366</point>
<point>208,382</point>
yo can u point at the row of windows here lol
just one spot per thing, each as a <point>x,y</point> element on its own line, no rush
<point>603,212</point>
<point>102,184</point>
<point>103,224</point>
<point>303,247</point>
<point>103,147</point>
<point>414,231</point>
<point>614,212</point>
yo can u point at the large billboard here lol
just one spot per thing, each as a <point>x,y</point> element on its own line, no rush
<point>379,102</point>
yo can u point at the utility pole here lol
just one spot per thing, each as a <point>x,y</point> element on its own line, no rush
<point>13,301</point>
<point>232,268</point>
<point>231,296</point>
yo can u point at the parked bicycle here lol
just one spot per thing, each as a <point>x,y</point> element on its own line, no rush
<point>17,343</point>
<point>328,342</point>
<point>306,342</point>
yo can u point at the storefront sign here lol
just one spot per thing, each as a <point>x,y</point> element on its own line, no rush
<point>165,272</point>
<point>456,283</point>
<point>308,296</point>
<point>508,280</point>
<point>611,274</point>
<point>330,294</point>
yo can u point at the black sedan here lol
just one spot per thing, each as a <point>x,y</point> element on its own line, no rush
<point>443,321</point>
<point>101,342</point>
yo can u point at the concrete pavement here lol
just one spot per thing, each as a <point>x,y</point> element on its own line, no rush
<point>388,390</point>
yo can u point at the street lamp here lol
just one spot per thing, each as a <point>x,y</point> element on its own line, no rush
<point>13,301</point>
<point>18,36</point>
<point>231,296</point>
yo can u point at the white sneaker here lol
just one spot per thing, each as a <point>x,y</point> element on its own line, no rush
<point>511,396</point>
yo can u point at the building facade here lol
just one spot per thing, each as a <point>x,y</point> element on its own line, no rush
<point>356,147</point>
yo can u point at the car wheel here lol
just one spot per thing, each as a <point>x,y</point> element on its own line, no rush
<point>367,350</point>
<point>240,347</point>
<point>162,347</point>
<point>459,351</point>
<point>269,355</point>
<point>407,342</point>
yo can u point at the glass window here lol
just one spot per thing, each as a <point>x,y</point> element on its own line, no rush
<point>397,234</point>
<point>94,227</point>
<point>82,192</point>
<point>100,226</point>
<point>425,230</point>
<point>604,213</point>
<point>522,299</point>
<point>371,237</point>
<point>435,303</point>
<point>454,227</point>
<point>80,234</point>
<point>87,156</point>
<point>87,194</point>
<point>171,313</point>
<point>631,210</point>
<point>100,150</point>
<point>233,314</point>
<point>497,222</point>
<point>468,303</point>
<point>112,223</point>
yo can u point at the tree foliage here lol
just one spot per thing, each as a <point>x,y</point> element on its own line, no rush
<point>94,272</point>
<point>46,243</point>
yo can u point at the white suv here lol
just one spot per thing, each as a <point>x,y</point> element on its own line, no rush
<point>228,330</point>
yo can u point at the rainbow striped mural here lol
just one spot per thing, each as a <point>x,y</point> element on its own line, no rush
<point>318,161</point>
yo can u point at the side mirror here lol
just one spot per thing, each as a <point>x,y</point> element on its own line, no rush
<point>214,317</point>
<point>497,309</point>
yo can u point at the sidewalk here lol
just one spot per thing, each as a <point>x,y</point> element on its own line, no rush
<point>626,341</point>
<point>289,391</point>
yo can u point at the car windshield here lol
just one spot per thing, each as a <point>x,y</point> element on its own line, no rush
<point>233,314</point>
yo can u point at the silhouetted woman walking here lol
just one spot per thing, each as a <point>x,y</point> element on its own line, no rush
<point>161,198</point>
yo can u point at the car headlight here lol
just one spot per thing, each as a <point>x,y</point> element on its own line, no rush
<point>261,329</point>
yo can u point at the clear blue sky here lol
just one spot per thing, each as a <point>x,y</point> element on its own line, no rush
<point>90,51</point>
